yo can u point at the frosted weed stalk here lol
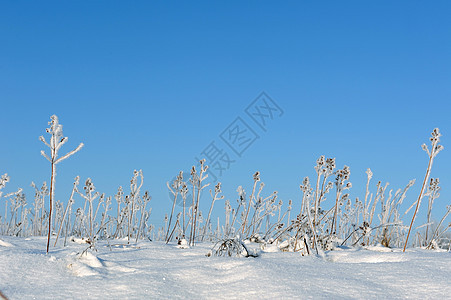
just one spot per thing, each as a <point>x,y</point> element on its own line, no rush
<point>39,209</point>
<point>90,195</point>
<point>197,183</point>
<point>17,210</point>
<point>57,140</point>
<point>432,240</point>
<point>435,149</point>
<point>68,212</point>
<point>175,188</point>
<point>3,180</point>
<point>215,197</point>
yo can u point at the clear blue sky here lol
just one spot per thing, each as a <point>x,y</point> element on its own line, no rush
<point>148,86</point>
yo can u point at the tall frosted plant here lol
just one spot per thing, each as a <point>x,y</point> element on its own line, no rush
<point>175,189</point>
<point>341,185</point>
<point>434,193</point>
<point>215,197</point>
<point>135,188</point>
<point>251,199</point>
<point>39,211</point>
<point>196,181</point>
<point>90,195</point>
<point>3,180</point>
<point>57,140</point>
<point>435,149</point>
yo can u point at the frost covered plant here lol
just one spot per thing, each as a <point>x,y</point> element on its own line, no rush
<point>324,169</point>
<point>57,140</point>
<point>267,208</point>
<point>228,211</point>
<point>89,195</point>
<point>304,220</point>
<point>256,178</point>
<point>135,189</point>
<point>249,222</point>
<point>435,149</point>
<point>367,193</point>
<point>389,217</point>
<point>68,211</point>
<point>390,229</point>
<point>241,202</point>
<point>197,184</point>
<point>39,210</point>
<point>105,202</point>
<point>349,215</point>
<point>433,193</point>
<point>232,247</point>
<point>340,186</point>
<point>439,232</point>
<point>258,211</point>
<point>121,213</point>
<point>433,236</point>
<point>319,171</point>
<point>3,180</point>
<point>215,197</point>
<point>251,198</point>
<point>144,214</point>
<point>17,202</point>
<point>127,221</point>
<point>175,188</point>
<point>184,194</point>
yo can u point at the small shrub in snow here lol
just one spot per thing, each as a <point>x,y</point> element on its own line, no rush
<point>232,247</point>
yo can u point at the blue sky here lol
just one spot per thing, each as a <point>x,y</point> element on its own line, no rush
<point>150,85</point>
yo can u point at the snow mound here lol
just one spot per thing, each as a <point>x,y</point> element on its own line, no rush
<point>88,264</point>
<point>271,248</point>
<point>90,260</point>
<point>379,248</point>
<point>5,244</point>
<point>78,240</point>
<point>363,256</point>
<point>182,244</point>
<point>118,268</point>
<point>81,270</point>
<point>85,265</point>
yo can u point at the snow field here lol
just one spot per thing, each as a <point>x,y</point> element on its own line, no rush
<point>154,270</point>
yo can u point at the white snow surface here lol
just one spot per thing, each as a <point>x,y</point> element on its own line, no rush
<point>154,270</point>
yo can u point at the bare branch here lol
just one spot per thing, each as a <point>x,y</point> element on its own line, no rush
<point>42,139</point>
<point>45,155</point>
<point>62,142</point>
<point>70,153</point>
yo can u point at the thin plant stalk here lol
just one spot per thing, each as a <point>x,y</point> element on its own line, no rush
<point>435,139</point>
<point>56,141</point>
<point>248,207</point>
<point>69,204</point>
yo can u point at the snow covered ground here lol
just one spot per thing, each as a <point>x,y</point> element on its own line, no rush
<point>153,270</point>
